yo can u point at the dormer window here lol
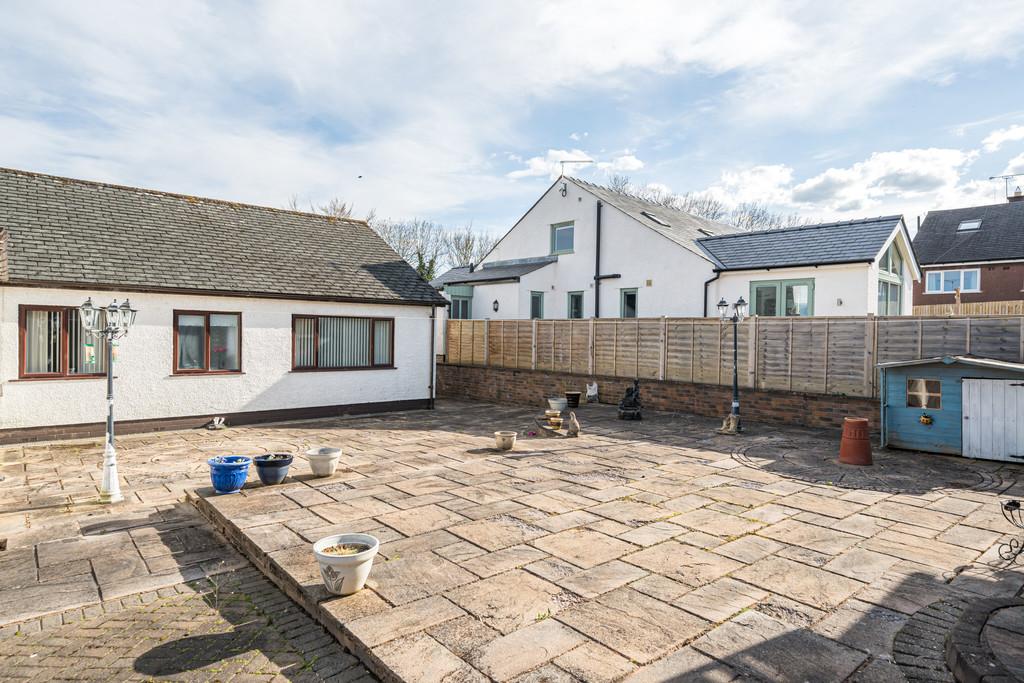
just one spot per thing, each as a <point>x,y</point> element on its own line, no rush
<point>651,216</point>
<point>967,226</point>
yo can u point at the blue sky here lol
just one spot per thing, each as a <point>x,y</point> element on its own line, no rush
<point>459,111</point>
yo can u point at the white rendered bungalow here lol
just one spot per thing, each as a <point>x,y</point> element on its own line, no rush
<point>246,312</point>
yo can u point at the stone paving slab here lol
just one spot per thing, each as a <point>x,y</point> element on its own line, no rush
<point>644,551</point>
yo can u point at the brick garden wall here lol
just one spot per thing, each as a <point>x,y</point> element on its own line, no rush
<point>506,385</point>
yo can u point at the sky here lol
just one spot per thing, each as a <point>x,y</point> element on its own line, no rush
<point>459,112</point>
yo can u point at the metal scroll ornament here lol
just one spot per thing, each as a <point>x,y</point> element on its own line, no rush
<point>1014,515</point>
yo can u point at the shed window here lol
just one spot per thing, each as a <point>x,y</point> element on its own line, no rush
<point>562,238</point>
<point>206,342</point>
<point>924,393</point>
<point>339,343</point>
<point>54,344</point>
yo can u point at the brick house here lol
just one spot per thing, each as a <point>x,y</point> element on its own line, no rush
<point>977,250</point>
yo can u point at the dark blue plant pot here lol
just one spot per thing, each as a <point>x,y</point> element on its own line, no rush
<point>228,472</point>
<point>272,471</point>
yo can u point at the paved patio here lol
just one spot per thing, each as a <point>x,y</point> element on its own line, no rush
<point>644,551</point>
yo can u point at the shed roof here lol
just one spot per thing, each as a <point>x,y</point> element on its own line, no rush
<point>74,233</point>
<point>858,241</point>
<point>1000,236</point>
<point>953,360</point>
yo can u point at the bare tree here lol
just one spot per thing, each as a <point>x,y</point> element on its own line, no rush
<point>466,246</point>
<point>745,215</point>
<point>420,242</point>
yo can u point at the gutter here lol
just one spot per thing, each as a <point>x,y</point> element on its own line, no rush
<point>795,265</point>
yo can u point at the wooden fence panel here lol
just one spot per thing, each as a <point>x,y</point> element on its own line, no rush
<point>707,352</point>
<point>847,338</point>
<point>817,355</point>
<point>679,350</point>
<point>604,347</point>
<point>773,354</point>
<point>649,345</point>
<point>626,341</point>
<point>996,338</point>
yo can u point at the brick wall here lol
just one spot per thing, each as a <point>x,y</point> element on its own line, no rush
<point>503,385</point>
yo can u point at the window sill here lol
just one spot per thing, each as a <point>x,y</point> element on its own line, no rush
<point>360,369</point>
<point>73,378</point>
<point>562,253</point>
<point>225,373</point>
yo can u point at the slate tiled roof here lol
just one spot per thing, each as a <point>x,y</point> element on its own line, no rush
<point>825,243</point>
<point>491,272</point>
<point>1000,237</point>
<point>682,228</point>
<point>70,232</point>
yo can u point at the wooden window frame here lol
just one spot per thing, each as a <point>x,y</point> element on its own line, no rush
<point>316,343</point>
<point>206,344</point>
<point>67,312</point>
<point>926,394</point>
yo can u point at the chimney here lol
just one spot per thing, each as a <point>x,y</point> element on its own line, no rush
<point>1017,196</point>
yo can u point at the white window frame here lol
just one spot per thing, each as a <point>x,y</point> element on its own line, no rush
<point>555,227</point>
<point>973,224</point>
<point>942,277</point>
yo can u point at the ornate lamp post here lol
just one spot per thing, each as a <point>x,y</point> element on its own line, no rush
<point>731,424</point>
<point>108,324</point>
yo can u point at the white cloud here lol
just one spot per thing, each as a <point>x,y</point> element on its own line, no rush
<point>550,164</point>
<point>909,181</point>
<point>1015,165</point>
<point>624,163</point>
<point>997,138</point>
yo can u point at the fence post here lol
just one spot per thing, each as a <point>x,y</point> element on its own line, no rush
<point>533,344</point>
<point>487,343</point>
<point>590,349</point>
<point>968,321</point>
<point>869,355</point>
<point>615,349</point>
<point>825,378</point>
<point>693,346</point>
<point>720,351</point>
<point>663,343</point>
<point>752,353</point>
<point>790,344</point>
<point>636,355</point>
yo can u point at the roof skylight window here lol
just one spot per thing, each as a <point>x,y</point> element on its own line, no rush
<point>966,226</point>
<point>654,218</point>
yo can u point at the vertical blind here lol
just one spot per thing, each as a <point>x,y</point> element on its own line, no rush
<point>327,342</point>
<point>44,349</point>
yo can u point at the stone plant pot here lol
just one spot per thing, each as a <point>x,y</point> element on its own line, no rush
<point>558,404</point>
<point>572,398</point>
<point>272,468</point>
<point>323,461</point>
<point>229,472</point>
<point>345,574</point>
<point>505,440</point>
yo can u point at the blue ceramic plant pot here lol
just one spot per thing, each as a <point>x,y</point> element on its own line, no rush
<point>228,472</point>
<point>273,467</point>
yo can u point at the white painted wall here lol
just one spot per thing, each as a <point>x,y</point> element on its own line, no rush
<point>831,283</point>
<point>145,387</point>
<point>636,252</point>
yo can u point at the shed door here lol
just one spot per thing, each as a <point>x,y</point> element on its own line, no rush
<point>993,419</point>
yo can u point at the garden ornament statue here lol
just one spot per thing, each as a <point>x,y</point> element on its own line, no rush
<point>629,406</point>
<point>572,428</point>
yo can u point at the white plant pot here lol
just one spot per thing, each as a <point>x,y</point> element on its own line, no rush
<point>323,461</point>
<point>345,574</point>
<point>505,440</point>
<point>558,404</point>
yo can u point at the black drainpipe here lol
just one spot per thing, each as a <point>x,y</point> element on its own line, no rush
<point>707,282</point>
<point>433,357</point>
<point>597,266</point>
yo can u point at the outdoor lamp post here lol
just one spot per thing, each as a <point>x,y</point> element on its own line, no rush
<point>739,312</point>
<point>108,324</point>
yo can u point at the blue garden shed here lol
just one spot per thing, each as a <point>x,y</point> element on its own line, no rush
<point>960,405</point>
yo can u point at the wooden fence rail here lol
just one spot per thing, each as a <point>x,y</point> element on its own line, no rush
<point>823,355</point>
